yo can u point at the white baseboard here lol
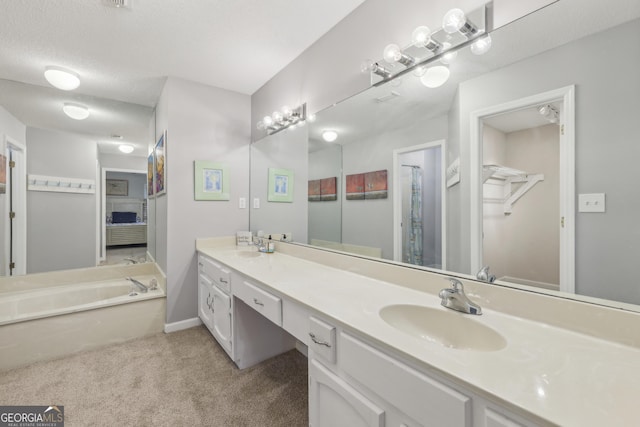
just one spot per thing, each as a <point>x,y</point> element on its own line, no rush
<point>183,324</point>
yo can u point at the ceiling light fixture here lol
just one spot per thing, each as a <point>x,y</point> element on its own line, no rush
<point>549,112</point>
<point>61,78</point>
<point>280,120</point>
<point>368,66</point>
<point>329,135</point>
<point>75,111</point>
<point>435,76</point>
<point>126,148</point>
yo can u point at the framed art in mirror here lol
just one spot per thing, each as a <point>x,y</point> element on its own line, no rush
<point>280,185</point>
<point>160,170</point>
<point>117,187</point>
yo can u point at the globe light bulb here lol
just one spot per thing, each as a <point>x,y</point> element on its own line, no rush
<point>260,125</point>
<point>420,70</point>
<point>276,116</point>
<point>453,20</point>
<point>286,111</point>
<point>392,53</point>
<point>481,46</point>
<point>435,76</point>
<point>448,57</point>
<point>420,36</point>
<point>267,120</point>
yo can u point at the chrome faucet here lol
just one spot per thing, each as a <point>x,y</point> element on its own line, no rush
<point>141,286</point>
<point>455,298</point>
<point>484,276</point>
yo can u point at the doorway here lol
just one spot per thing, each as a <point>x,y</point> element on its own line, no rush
<point>523,190</point>
<point>13,192</point>
<point>419,216</point>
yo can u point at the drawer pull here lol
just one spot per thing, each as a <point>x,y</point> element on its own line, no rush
<point>210,304</point>
<point>258,302</point>
<point>201,264</point>
<point>223,281</point>
<point>319,342</point>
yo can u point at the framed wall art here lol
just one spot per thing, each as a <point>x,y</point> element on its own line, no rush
<point>280,185</point>
<point>117,187</point>
<point>211,181</point>
<point>160,165</point>
<point>150,168</point>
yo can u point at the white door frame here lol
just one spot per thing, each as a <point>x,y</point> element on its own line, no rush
<point>397,197</point>
<point>102,253</point>
<point>19,177</point>
<point>567,178</point>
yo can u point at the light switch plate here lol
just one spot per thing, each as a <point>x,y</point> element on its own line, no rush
<point>256,203</point>
<point>591,202</point>
<point>242,203</point>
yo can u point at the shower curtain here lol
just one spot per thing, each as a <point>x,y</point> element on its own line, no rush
<point>413,240</point>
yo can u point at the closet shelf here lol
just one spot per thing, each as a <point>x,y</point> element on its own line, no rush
<point>508,176</point>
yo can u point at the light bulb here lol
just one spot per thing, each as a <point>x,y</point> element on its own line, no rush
<point>420,70</point>
<point>481,46</point>
<point>392,53</point>
<point>126,148</point>
<point>311,118</point>
<point>267,120</point>
<point>435,76</point>
<point>276,116</point>
<point>420,36</point>
<point>448,57</point>
<point>367,66</point>
<point>453,21</point>
<point>75,111</point>
<point>329,135</point>
<point>260,125</point>
<point>286,111</point>
<point>61,78</point>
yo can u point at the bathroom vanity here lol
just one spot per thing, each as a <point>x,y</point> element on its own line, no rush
<point>383,352</point>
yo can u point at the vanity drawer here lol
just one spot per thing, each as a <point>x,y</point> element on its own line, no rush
<point>295,320</point>
<point>265,303</point>
<point>322,339</point>
<point>216,272</point>
<point>412,392</point>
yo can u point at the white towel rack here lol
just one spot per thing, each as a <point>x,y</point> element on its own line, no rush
<point>63,185</point>
<point>510,176</point>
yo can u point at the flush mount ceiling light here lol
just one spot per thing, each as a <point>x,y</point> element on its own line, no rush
<point>75,111</point>
<point>61,78</point>
<point>329,135</point>
<point>435,76</point>
<point>126,148</point>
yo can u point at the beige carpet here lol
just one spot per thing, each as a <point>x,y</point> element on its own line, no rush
<point>178,379</point>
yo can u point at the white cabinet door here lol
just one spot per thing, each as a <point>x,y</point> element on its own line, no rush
<point>333,402</point>
<point>205,301</point>
<point>222,318</point>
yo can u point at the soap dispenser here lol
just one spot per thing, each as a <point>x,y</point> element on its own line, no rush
<point>271,246</point>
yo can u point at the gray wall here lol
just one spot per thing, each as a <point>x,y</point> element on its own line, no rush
<point>284,150</point>
<point>325,217</point>
<point>203,123</point>
<point>606,149</point>
<point>374,153</point>
<point>61,227</point>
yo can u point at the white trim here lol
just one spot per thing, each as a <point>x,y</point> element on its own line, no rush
<point>102,220</point>
<point>182,325</point>
<point>20,202</point>
<point>567,178</point>
<point>397,198</point>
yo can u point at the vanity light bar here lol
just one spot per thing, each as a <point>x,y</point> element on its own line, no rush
<point>283,119</point>
<point>459,30</point>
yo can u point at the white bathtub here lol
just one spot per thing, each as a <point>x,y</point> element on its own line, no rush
<point>40,324</point>
<point>34,304</point>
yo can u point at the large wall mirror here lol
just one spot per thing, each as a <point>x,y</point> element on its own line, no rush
<point>523,160</point>
<point>60,230</point>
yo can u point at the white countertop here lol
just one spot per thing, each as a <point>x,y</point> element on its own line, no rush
<point>561,376</point>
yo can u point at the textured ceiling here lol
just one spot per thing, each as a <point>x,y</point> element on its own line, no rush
<point>125,54</point>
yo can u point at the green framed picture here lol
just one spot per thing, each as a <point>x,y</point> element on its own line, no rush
<point>211,181</point>
<point>280,185</point>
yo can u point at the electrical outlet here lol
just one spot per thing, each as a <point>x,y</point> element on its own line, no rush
<point>286,237</point>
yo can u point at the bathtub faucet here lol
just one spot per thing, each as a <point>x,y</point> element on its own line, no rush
<point>141,286</point>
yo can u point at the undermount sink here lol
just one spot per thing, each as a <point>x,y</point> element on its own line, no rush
<point>445,327</point>
<point>247,254</point>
